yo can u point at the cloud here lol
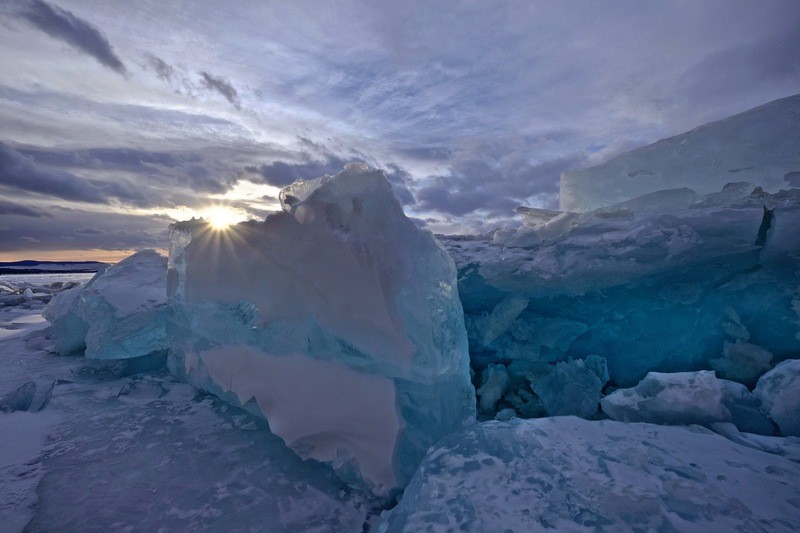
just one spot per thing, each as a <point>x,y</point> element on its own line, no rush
<point>82,230</point>
<point>24,173</point>
<point>163,70</point>
<point>743,69</point>
<point>493,178</point>
<point>76,32</point>
<point>88,230</point>
<point>11,208</point>
<point>223,87</point>
<point>200,171</point>
<point>316,160</point>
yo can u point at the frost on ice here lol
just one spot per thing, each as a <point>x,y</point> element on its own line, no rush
<point>119,314</point>
<point>338,320</point>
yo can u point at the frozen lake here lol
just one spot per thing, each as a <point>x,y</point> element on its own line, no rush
<point>38,280</point>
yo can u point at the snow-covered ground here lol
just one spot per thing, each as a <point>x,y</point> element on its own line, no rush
<point>145,453</point>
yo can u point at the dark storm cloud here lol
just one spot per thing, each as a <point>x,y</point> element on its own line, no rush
<point>280,173</point>
<point>319,161</point>
<point>402,182</point>
<point>11,208</point>
<point>494,185</point>
<point>88,230</point>
<point>189,169</point>
<point>21,172</point>
<point>78,229</point>
<point>222,86</point>
<point>78,33</point>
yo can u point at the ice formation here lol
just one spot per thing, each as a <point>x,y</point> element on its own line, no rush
<point>568,474</point>
<point>119,314</point>
<point>338,320</point>
<point>669,282</point>
<point>573,387</point>
<point>779,392</point>
<point>758,146</point>
<point>688,398</point>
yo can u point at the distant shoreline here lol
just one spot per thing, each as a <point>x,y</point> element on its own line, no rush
<point>45,272</point>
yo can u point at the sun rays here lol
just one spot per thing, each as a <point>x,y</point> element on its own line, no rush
<point>222,217</point>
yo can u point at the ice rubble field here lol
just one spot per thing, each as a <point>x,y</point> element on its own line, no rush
<point>343,372</point>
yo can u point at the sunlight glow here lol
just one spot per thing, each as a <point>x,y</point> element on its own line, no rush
<point>221,217</point>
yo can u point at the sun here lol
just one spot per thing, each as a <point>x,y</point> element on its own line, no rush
<point>221,217</point>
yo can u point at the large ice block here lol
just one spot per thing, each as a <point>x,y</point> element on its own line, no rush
<point>684,398</point>
<point>119,314</point>
<point>338,320</point>
<point>759,146</point>
<point>779,392</point>
<point>669,282</point>
<point>569,474</point>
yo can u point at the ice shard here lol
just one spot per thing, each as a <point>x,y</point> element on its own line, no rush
<point>119,314</point>
<point>338,320</point>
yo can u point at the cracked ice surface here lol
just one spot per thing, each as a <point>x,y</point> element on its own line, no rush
<point>569,474</point>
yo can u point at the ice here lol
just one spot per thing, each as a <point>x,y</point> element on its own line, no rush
<point>742,362</point>
<point>671,282</point>
<point>687,398</point>
<point>568,474</point>
<point>573,387</point>
<point>494,383</point>
<point>119,314</point>
<point>779,392</point>
<point>338,320</point>
<point>758,146</point>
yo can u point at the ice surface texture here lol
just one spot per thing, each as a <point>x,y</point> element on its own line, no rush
<point>688,398</point>
<point>119,314</point>
<point>669,282</point>
<point>759,146</point>
<point>568,474</point>
<point>779,392</point>
<point>338,320</point>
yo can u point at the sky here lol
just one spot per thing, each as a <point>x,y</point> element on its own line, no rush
<point>118,118</point>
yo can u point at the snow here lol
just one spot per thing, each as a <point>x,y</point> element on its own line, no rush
<point>758,146</point>
<point>119,314</point>
<point>568,474</point>
<point>148,453</point>
<point>342,287</point>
